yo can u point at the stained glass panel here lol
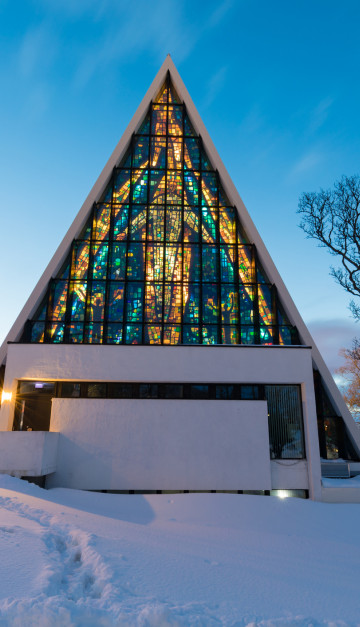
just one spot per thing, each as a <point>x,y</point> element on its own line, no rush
<point>163,257</point>
<point>116,302</point>
<point>138,222</point>
<point>121,219</point>
<point>158,152</point>
<point>156,220</point>
<point>99,260</point>
<point>158,120</point>
<point>175,120</point>
<point>154,302</point>
<point>122,186</point>
<point>117,261</point>
<point>157,187</point>
<point>141,152</point>
<point>135,261</point>
<point>173,224</point>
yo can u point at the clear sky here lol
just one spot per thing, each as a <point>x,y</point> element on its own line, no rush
<point>276,83</point>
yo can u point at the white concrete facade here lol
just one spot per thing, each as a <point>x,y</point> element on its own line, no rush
<point>157,444</point>
<point>91,439</point>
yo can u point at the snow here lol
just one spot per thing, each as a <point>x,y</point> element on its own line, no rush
<point>71,558</point>
<point>334,482</point>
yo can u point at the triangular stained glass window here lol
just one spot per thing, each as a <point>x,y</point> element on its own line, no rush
<point>163,258</point>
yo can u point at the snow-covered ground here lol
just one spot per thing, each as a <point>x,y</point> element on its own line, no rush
<point>75,558</point>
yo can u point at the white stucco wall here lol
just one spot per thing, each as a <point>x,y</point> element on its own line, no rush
<point>238,364</point>
<point>28,453</point>
<point>161,445</point>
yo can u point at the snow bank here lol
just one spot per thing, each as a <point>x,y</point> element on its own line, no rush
<point>71,558</point>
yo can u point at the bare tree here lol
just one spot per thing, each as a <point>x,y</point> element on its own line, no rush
<point>350,371</point>
<point>333,218</point>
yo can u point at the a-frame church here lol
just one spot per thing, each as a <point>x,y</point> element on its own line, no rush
<point>160,350</point>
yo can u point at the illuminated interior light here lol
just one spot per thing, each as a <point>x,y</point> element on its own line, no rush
<point>283,494</point>
<point>6,396</point>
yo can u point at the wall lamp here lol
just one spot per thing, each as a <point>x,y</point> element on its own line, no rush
<point>6,396</point>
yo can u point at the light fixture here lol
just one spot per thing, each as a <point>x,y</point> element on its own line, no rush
<point>6,396</point>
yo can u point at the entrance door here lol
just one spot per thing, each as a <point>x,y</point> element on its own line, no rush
<point>33,406</point>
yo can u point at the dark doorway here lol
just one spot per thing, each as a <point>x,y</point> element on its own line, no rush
<point>33,406</point>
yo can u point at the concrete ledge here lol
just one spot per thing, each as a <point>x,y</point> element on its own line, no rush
<point>289,474</point>
<point>28,453</point>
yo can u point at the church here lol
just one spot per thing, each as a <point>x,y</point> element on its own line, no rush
<point>160,349</point>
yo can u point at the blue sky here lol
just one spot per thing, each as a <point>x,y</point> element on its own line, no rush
<point>277,85</point>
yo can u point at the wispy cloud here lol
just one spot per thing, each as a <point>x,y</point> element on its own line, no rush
<point>37,50</point>
<point>214,86</point>
<point>307,162</point>
<point>152,28</point>
<point>320,114</point>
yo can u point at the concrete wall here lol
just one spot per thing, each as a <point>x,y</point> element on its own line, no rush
<point>161,445</point>
<point>238,364</point>
<point>28,453</point>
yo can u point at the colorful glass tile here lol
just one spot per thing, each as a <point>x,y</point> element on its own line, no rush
<point>175,115</point>
<point>191,224</point>
<point>191,303</point>
<point>191,188</point>
<point>191,153</point>
<point>135,261</point>
<point>120,222</point>
<point>37,332</point>
<point>58,300</point>
<point>229,305</point>
<point>173,224</point>
<point>158,152</point>
<point>209,224</point>
<point>80,260</point>
<point>117,264</point>
<point>157,187</point>
<point>210,263</point>
<point>134,302</point>
<point>140,157</point>
<point>192,263</point>
<point>99,260</point>
<point>154,262</point>
<point>210,303</point>
<point>154,302</point>
<point>174,154</point>
<point>122,186</point>
<point>158,119</point>
<point>172,302</point>
<point>156,219</point>
<point>174,188</point>
<point>114,334</point>
<point>138,223</point>
<point>116,302</point>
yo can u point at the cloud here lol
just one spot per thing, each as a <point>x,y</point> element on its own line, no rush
<point>37,50</point>
<point>215,85</point>
<point>307,162</point>
<point>156,29</point>
<point>320,114</point>
<point>332,335</point>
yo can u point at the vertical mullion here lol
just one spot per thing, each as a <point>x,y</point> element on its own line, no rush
<point>200,244</point>
<point>219,282</point>
<point>127,245</point>
<point>237,279</point>
<point>107,284</point>
<point>165,208</point>
<point>182,227</point>
<point>146,234</point>
<point>256,301</point>
<point>274,304</point>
